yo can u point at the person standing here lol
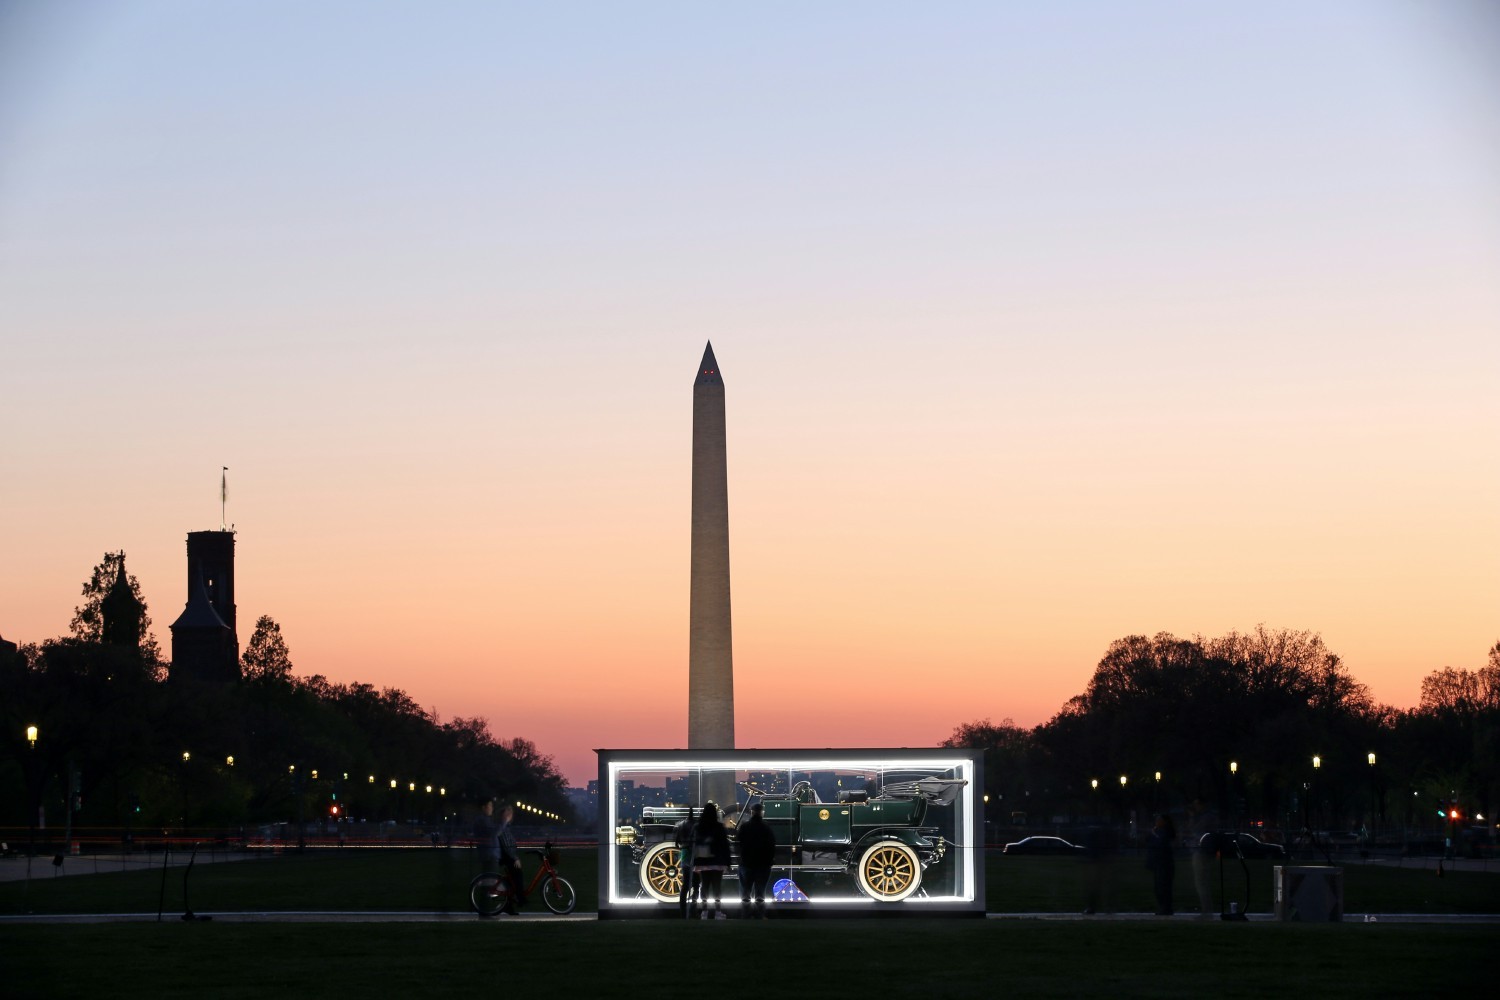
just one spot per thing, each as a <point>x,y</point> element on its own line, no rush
<point>1161,863</point>
<point>487,839</point>
<point>1201,850</point>
<point>711,858</point>
<point>510,860</point>
<point>486,836</point>
<point>682,836</point>
<point>757,851</point>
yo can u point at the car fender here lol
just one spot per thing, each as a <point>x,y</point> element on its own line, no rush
<point>906,835</point>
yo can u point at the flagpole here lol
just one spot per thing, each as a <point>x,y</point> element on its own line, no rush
<point>223,497</point>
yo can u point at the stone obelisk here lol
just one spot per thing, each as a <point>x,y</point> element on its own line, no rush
<point>710,649</point>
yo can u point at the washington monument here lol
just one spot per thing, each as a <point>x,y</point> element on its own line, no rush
<point>710,650</point>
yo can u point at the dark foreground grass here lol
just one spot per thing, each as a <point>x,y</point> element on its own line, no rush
<point>667,959</point>
<point>436,881</point>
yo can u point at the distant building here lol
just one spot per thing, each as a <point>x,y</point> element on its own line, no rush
<point>121,615</point>
<point>585,805</point>
<point>205,644</point>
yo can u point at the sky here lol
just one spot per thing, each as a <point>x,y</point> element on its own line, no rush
<point>1041,325</point>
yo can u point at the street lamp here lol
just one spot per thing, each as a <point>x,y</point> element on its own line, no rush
<point>31,737</point>
<point>1370,757</point>
<point>186,756</point>
<point>1094,784</point>
<point>1158,777</point>
<point>393,782</point>
<point>1317,763</point>
<point>1234,767</point>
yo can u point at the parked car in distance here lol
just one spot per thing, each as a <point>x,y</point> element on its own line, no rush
<point>1249,846</point>
<point>1041,845</point>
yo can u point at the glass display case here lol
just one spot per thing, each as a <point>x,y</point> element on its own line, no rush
<point>856,830</point>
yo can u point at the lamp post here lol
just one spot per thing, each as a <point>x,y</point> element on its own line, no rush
<point>1370,760</point>
<point>187,755</point>
<point>1317,766</point>
<point>36,813</point>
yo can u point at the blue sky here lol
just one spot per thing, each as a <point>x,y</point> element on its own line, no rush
<point>1042,324</point>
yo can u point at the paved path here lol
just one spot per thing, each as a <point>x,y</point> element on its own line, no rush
<point>42,866</point>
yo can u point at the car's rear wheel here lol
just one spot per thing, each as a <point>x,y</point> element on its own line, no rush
<point>661,873</point>
<point>889,871</point>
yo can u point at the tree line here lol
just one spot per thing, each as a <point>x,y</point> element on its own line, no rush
<point>1235,722</point>
<point>127,746</point>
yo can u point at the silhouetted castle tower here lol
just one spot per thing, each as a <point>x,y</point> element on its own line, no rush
<point>205,645</point>
<point>710,649</point>
<point>121,614</point>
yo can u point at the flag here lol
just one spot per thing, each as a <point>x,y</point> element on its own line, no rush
<point>786,891</point>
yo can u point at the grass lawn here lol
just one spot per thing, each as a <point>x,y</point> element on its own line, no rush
<point>666,959</point>
<point>436,881</point>
<point>1059,885</point>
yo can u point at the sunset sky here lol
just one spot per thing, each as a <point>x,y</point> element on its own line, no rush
<point>1040,325</point>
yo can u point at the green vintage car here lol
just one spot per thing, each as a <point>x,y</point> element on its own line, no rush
<point>880,839</point>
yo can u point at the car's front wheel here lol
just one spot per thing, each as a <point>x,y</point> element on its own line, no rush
<point>889,871</point>
<point>661,872</point>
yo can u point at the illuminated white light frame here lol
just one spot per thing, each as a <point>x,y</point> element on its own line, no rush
<point>963,766</point>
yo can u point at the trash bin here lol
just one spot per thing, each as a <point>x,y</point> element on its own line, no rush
<point>1309,893</point>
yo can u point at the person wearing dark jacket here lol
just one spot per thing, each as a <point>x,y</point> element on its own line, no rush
<point>682,836</point>
<point>487,836</point>
<point>510,860</point>
<point>711,858</point>
<point>757,851</point>
<point>1161,863</point>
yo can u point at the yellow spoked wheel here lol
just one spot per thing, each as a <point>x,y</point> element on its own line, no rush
<point>661,876</point>
<point>889,871</point>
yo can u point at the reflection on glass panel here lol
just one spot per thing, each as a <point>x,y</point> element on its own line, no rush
<point>849,828</point>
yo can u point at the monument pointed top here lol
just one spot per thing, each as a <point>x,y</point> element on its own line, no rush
<point>708,369</point>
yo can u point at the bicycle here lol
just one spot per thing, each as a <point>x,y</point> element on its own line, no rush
<point>489,892</point>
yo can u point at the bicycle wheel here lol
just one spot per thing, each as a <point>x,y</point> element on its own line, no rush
<point>558,894</point>
<point>488,893</point>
